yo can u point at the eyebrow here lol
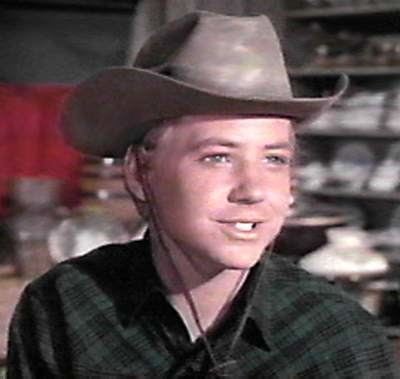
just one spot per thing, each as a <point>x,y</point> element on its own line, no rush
<point>231,144</point>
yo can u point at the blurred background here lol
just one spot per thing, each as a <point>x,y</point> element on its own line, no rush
<point>56,203</point>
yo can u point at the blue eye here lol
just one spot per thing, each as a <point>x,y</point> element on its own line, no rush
<point>216,158</point>
<point>279,160</point>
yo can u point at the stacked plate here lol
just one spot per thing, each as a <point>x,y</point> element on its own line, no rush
<point>102,186</point>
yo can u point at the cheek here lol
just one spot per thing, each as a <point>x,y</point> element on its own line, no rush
<point>182,194</point>
<point>280,203</point>
<point>201,193</point>
<point>279,195</point>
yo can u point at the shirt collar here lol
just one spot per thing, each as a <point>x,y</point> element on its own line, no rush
<point>140,281</point>
<point>255,295</point>
<point>258,298</point>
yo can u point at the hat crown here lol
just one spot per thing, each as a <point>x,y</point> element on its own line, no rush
<point>230,56</point>
<point>201,64</point>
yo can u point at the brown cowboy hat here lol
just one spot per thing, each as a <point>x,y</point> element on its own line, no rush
<point>202,63</point>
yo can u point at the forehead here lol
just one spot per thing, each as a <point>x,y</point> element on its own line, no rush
<point>244,128</point>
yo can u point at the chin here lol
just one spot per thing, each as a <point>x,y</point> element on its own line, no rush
<point>241,266</point>
<point>242,259</point>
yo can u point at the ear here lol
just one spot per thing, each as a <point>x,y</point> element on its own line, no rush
<point>133,175</point>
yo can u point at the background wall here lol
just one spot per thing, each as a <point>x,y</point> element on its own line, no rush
<point>64,41</point>
<point>61,44</point>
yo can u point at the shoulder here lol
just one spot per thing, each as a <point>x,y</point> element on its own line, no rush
<point>321,325</point>
<point>309,295</point>
<point>281,272</point>
<point>75,305</point>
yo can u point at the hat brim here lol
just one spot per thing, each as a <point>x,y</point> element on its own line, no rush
<point>113,109</point>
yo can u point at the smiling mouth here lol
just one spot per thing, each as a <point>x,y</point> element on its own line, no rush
<point>240,230</point>
<point>242,226</point>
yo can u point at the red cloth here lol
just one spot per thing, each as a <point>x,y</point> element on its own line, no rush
<point>30,141</point>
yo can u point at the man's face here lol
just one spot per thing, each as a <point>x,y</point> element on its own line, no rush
<point>222,187</point>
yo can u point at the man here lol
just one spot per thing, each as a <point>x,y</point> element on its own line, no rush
<point>205,119</point>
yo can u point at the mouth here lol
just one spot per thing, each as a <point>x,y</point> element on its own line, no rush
<point>241,228</point>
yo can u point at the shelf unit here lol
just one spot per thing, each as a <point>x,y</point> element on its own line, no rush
<point>384,19</point>
<point>357,195</point>
<point>360,71</point>
<point>343,11</point>
<point>350,134</point>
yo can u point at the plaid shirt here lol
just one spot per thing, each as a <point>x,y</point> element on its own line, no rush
<point>104,315</point>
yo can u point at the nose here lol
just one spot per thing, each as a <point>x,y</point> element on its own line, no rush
<point>248,185</point>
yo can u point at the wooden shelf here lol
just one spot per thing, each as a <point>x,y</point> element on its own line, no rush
<point>363,194</point>
<point>340,133</point>
<point>351,71</point>
<point>348,11</point>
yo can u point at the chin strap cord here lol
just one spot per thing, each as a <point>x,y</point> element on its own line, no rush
<point>227,368</point>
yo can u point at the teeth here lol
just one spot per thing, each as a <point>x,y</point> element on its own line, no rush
<point>244,226</point>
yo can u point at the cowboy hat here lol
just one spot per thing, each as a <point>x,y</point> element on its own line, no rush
<point>202,63</point>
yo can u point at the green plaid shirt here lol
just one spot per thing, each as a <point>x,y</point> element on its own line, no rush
<point>104,315</point>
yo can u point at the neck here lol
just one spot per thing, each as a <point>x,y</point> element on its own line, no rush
<point>212,300</point>
<point>212,292</point>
